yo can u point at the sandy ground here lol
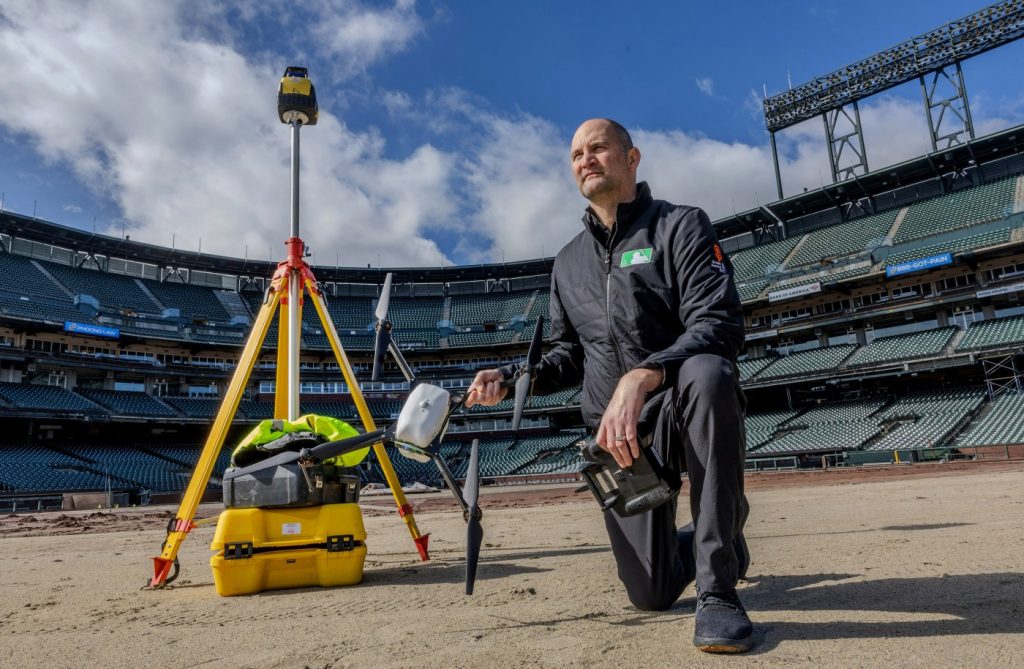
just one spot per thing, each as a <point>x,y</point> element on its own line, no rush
<point>911,566</point>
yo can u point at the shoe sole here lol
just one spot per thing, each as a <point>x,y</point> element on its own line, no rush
<point>713,645</point>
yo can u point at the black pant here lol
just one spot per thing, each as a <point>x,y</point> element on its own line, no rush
<point>699,422</point>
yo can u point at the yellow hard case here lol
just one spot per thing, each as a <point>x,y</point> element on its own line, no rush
<point>270,549</point>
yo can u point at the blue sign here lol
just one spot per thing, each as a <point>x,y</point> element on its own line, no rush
<point>919,264</point>
<point>89,329</point>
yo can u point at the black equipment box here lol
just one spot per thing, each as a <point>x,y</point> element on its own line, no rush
<point>289,485</point>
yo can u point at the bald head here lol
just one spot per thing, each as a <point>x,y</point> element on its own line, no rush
<point>604,163</point>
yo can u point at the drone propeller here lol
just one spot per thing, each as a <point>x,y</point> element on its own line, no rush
<point>474,531</point>
<point>526,375</point>
<point>383,327</point>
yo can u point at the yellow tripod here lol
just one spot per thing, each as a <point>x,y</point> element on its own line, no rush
<point>292,278</point>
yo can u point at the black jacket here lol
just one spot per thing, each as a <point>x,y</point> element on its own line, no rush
<point>654,292</point>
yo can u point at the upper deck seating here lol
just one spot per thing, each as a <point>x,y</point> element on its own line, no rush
<point>51,398</point>
<point>757,261</point>
<point>844,239</point>
<point>979,241</point>
<point>491,308</point>
<point>128,403</point>
<point>114,291</point>
<point>959,209</point>
<point>19,276</point>
<point>192,301</point>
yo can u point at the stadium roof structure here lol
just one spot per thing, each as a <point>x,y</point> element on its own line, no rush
<point>985,29</point>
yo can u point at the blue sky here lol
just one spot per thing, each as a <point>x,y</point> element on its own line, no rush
<point>444,124</point>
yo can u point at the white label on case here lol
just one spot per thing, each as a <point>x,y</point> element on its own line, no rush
<point>291,528</point>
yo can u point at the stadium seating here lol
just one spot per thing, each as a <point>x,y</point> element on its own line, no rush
<point>807,362</point>
<point>135,468</point>
<point>20,276</point>
<point>114,291</point>
<point>761,426</point>
<point>844,239</point>
<point>909,346</point>
<point>415,313</point>
<point>191,301</point>
<point>194,407</point>
<point>826,427</point>
<point>757,261</point>
<point>751,289</point>
<point>820,437</point>
<point>959,209</point>
<point>44,310</point>
<point>979,241</point>
<point>560,398</point>
<point>823,277</point>
<point>417,338</point>
<point>993,334</point>
<point>1003,424</point>
<point>187,455</point>
<point>459,339</point>
<point>838,412</point>
<point>351,312</point>
<point>493,308</point>
<point>45,398</point>
<point>541,306</point>
<point>926,420</point>
<point>128,403</point>
<point>34,468</point>
<point>749,368</point>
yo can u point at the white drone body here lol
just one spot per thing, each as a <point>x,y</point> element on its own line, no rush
<point>423,421</point>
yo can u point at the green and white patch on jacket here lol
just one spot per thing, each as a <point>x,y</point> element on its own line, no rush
<point>636,257</point>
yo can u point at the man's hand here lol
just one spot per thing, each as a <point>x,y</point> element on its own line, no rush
<point>617,433</point>
<point>486,389</point>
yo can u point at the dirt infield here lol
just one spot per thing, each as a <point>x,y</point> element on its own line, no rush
<point>916,566</point>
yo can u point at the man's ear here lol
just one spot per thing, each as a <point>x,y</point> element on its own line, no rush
<point>633,158</point>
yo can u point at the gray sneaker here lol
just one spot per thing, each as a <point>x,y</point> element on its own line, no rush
<point>722,625</point>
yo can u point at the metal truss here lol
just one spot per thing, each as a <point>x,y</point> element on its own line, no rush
<point>974,34</point>
<point>1001,374</point>
<point>841,139</point>
<point>949,118</point>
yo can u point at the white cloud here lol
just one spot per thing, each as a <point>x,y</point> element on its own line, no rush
<point>706,85</point>
<point>182,133</point>
<point>72,209</point>
<point>359,36</point>
<point>525,197</point>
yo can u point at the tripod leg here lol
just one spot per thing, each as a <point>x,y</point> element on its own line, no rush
<point>214,442</point>
<point>404,508</point>
<point>281,373</point>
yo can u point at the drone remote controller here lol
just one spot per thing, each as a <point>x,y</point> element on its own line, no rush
<point>628,491</point>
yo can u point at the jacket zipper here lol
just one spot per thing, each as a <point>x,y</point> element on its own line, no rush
<point>608,304</point>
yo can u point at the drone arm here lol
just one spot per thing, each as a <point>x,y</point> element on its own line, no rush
<point>449,480</point>
<point>341,447</point>
<point>400,361</point>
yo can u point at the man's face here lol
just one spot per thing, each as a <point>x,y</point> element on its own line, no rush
<point>600,163</point>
